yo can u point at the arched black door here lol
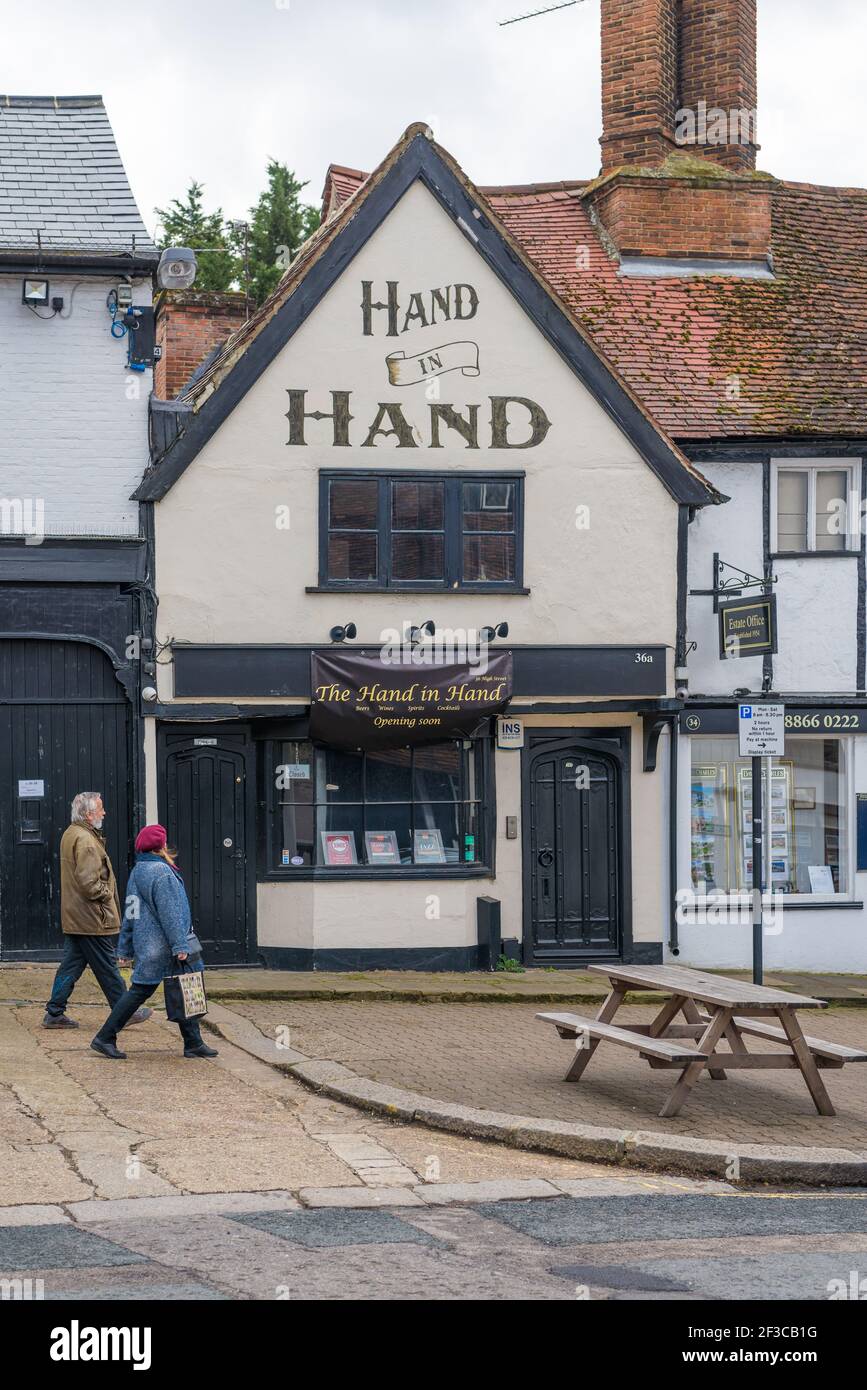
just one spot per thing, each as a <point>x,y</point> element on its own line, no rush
<point>574,853</point>
<point>64,728</point>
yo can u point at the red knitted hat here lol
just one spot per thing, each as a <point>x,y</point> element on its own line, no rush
<point>151,839</point>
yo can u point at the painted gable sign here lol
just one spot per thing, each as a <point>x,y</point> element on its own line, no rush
<point>388,310</point>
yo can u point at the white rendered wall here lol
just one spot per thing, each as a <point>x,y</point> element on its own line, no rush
<point>74,417</point>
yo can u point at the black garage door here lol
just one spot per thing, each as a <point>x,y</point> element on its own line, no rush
<point>64,728</point>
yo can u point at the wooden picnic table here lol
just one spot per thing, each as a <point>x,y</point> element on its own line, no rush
<point>714,1008</point>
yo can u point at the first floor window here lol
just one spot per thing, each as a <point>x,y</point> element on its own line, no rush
<point>809,798</point>
<point>389,809</point>
<point>424,531</point>
<point>817,506</point>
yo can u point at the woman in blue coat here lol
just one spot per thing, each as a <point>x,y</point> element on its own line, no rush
<point>156,931</point>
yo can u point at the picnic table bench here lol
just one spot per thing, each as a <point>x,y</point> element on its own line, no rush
<point>714,1008</point>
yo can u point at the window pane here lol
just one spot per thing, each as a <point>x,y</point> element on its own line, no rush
<point>293,780</point>
<point>808,800</point>
<point>444,816</point>
<point>489,559</point>
<point>417,506</point>
<point>352,555</point>
<point>831,508</point>
<point>353,504</point>
<point>338,776</point>
<point>388,777</point>
<point>437,772</point>
<point>472,852</point>
<point>713,829</point>
<point>489,506</point>
<point>395,817</point>
<point>345,823</point>
<point>417,556</point>
<point>792,490</point>
<point>819,830</point>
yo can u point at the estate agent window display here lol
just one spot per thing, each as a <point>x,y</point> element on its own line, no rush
<point>810,794</point>
<point>416,810</point>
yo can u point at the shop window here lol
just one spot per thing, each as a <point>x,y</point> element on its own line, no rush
<point>395,810</point>
<point>420,531</point>
<point>809,799</point>
<point>817,507</point>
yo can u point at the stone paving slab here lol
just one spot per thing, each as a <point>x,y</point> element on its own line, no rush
<point>59,1247</point>
<point>315,1230</point>
<point>648,1217</point>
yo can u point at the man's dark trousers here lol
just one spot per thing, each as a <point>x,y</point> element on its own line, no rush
<point>79,952</point>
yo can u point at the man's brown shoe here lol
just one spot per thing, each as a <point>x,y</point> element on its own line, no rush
<point>58,1021</point>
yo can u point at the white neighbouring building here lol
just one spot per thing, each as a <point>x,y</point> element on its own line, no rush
<point>75,381</point>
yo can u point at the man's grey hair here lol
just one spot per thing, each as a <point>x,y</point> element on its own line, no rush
<point>81,805</point>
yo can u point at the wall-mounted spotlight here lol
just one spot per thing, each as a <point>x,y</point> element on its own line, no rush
<point>177,268</point>
<point>34,293</point>
<point>427,629</point>
<point>340,634</point>
<point>489,633</point>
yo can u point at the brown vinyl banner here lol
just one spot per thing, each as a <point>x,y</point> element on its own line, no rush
<point>360,700</point>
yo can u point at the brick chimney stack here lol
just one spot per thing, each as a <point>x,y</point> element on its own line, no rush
<point>678,144</point>
<point>665,59</point>
<point>189,325</point>
<point>639,81</point>
<point>717,66</point>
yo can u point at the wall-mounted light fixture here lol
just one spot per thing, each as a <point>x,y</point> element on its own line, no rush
<point>427,629</point>
<point>489,633</point>
<point>177,268</point>
<point>34,293</point>
<point>340,634</point>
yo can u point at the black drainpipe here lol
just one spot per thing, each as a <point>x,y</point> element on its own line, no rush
<point>673,945</point>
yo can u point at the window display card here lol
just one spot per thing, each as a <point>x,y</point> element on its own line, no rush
<point>381,847</point>
<point>821,878</point>
<point>429,847</point>
<point>338,847</point>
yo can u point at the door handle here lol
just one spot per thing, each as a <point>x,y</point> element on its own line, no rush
<point>546,858</point>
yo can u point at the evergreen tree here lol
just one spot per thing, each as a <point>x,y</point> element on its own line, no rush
<point>187,224</point>
<point>279,224</point>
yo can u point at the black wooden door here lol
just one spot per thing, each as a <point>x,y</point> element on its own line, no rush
<point>64,729</point>
<point>205,800</point>
<point>575,854</point>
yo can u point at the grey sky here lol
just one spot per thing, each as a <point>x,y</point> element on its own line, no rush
<point>209,89</point>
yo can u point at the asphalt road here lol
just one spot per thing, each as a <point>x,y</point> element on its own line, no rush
<point>777,1246</point>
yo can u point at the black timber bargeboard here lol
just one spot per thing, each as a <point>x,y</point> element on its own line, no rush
<point>421,161</point>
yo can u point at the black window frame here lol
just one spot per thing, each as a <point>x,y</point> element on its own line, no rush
<point>271,871</point>
<point>453,532</point>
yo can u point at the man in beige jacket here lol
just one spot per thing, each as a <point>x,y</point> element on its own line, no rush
<point>89,913</point>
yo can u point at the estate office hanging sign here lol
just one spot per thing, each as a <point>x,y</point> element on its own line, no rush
<point>360,700</point>
<point>748,627</point>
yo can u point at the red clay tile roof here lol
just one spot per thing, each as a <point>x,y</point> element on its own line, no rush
<point>713,356</point>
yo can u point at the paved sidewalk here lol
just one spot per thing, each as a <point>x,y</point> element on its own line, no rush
<point>33,982</point>
<point>75,1128</point>
<point>506,1061</point>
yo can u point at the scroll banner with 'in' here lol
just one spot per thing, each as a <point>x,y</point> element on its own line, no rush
<point>409,371</point>
<point>360,700</point>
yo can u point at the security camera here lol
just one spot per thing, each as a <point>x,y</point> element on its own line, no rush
<point>177,268</point>
<point>682,692</point>
<point>149,693</point>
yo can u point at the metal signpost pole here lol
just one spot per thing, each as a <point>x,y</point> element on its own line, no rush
<point>761,737</point>
<point>757,870</point>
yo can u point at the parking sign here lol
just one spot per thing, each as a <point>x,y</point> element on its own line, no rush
<point>761,731</point>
